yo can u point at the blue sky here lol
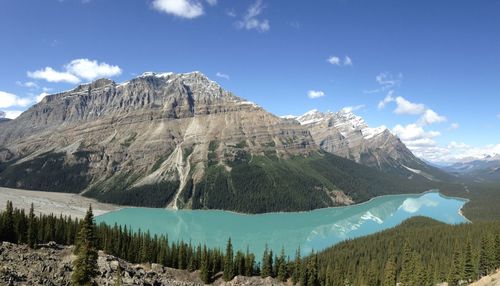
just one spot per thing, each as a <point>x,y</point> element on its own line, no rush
<point>436,62</point>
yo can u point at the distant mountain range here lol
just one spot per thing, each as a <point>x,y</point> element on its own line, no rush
<point>181,140</point>
<point>486,169</point>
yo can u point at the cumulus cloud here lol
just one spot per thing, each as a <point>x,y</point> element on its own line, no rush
<point>407,107</point>
<point>188,9</point>
<point>334,60</point>
<point>337,61</point>
<point>91,69</point>
<point>9,100</point>
<point>315,94</point>
<point>431,117</point>
<point>12,114</point>
<point>252,21</point>
<point>51,75</point>
<point>222,75</point>
<point>77,70</point>
<point>413,132</point>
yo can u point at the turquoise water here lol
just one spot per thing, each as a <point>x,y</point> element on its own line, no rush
<point>314,230</point>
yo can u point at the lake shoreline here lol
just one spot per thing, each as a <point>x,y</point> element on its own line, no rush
<point>75,204</point>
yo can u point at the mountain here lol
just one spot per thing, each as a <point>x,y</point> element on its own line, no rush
<point>486,169</point>
<point>347,135</point>
<point>179,140</point>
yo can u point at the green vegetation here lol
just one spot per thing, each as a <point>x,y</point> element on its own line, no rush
<point>85,264</point>
<point>157,195</point>
<point>264,184</point>
<point>47,172</point>
<point>419,252</point>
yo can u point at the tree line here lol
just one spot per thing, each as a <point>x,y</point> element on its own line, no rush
<point>420,251</point>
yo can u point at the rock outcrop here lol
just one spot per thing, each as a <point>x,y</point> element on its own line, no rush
<point>51,264</point>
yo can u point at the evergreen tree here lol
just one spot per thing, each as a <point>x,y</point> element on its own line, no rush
<point>85,265</point>
<point>312,271</point>
<point>407,272</point>
<point>228,262</point>
<point>390,272</point>
<point>204,267</point>
<point>281,274</point>
<point>32,228</point>
<point>487,256</point>
<point>456,274</point>
<point>249,263</point>
<point>8,231</point>
<point>266,264</point>
<point>296,267</point>
<point>469,269</point>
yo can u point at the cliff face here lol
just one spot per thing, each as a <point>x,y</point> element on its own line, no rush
<point>180,140</point>
<point>347,135</point>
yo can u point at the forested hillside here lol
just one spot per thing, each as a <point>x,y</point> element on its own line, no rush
<point>418,252</point>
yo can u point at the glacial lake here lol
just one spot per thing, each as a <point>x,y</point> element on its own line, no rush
<point>314,230</point>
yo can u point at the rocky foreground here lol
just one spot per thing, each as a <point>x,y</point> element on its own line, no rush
<point>51,265</point>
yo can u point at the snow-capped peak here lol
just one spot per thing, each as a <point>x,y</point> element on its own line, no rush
<point>311,117</point>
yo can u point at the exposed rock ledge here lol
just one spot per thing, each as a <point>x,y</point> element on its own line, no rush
<point>51,264</point>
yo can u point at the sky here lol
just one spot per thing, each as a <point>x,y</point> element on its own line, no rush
<point>428,70</point>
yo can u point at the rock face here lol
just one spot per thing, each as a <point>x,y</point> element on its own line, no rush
<point>51,265</point>
<point>347,135</point>
<point>180,140</point>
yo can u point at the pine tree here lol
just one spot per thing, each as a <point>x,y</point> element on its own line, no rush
<point>85,265</point>
<point>456,274</point>
<point>469,269</point>
<point>281,274</point>
<point>390,272</point>
<point>296,267</point>
<point>32,228</point>
<point>487,256</point>
<point>205,274</point>
<point>249,263</point>
<point>8,231</point>
<point>407,273</point>
<point>312,271</point>
<point>228,262</point>
<point>266,266</point>
<point>372,277</point>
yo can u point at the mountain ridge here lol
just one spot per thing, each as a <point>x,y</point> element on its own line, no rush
<point>179,140</point>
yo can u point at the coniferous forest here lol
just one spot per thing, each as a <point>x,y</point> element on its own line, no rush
<point>420,251</point>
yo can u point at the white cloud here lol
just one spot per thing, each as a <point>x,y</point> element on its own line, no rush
<point>222,75</point>
<point>91,69</point>
<point>315,94</point>
<point>430,117</point>
<point>413,132</point>
<point>212,2</point>
<point>388,99</point>
<point>13,114</point>
<point>9,100</point>
<point>337,61</point>
<point>51,75</point>
<point>77,70</point>
<point>41,96</point>
<point>407,107</point>
<point>347,61</point>
<point>353,108</point>
<point>231,13</point>
<point>2,114</point>
<point>334,60</point>
<point>181,8</point>
<point>456,152</point>
<point>251,21</point>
